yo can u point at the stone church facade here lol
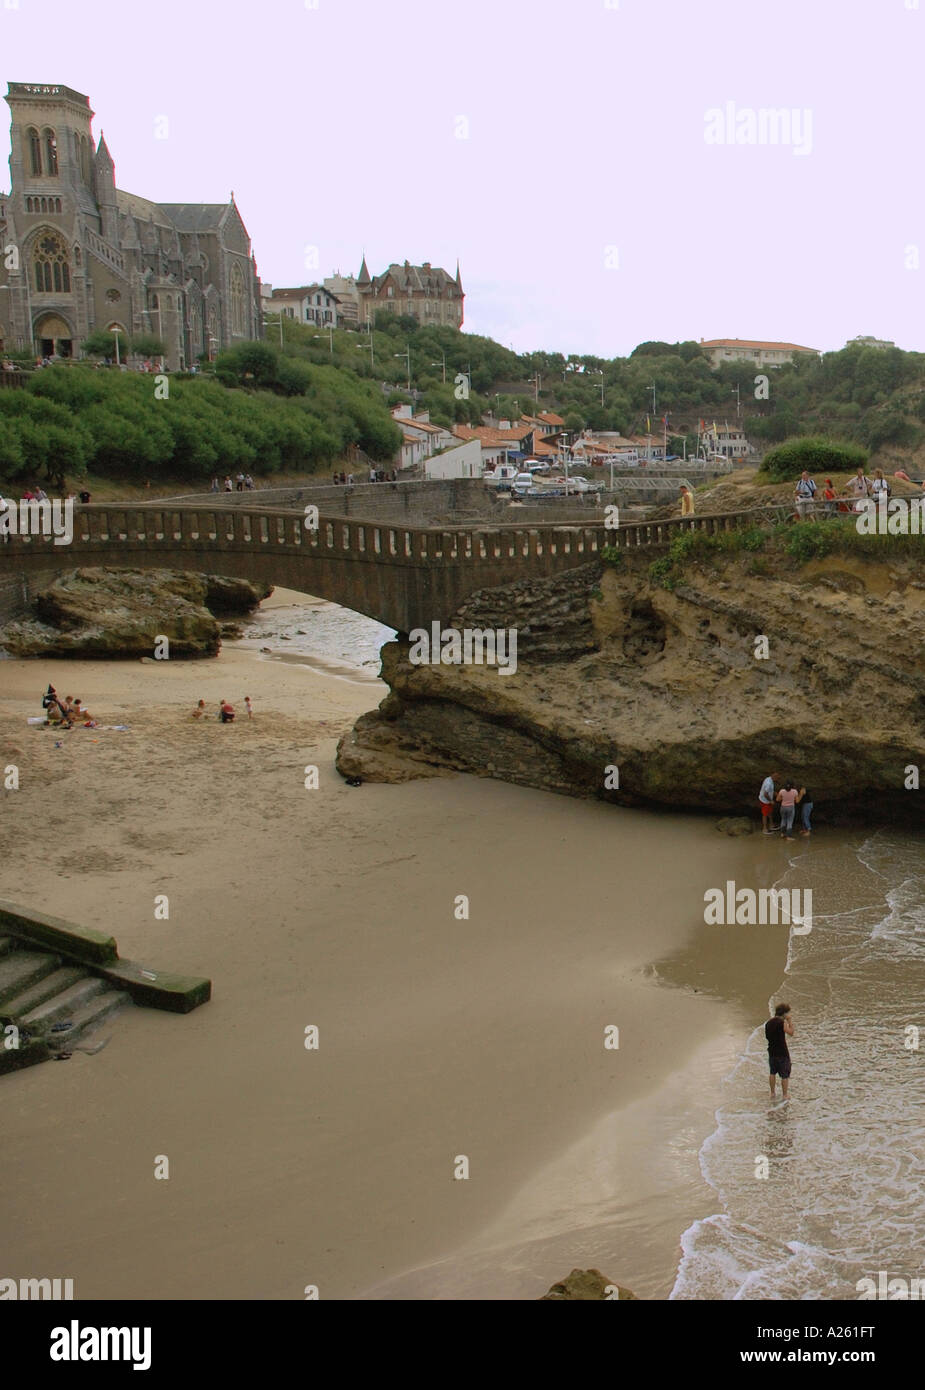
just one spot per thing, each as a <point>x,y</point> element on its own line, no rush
<point>80,256</point>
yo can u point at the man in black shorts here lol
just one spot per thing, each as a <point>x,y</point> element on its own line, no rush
<point>777,1030</point>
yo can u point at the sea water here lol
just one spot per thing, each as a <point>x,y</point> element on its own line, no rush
<point>844,1195</point>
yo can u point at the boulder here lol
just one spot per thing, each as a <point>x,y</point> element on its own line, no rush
<point>110,612</point>
<point>615,671</point>
<point>588,1284</point>
<point>735,825</point>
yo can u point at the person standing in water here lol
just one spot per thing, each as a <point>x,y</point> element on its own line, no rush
<point>777,1030</point>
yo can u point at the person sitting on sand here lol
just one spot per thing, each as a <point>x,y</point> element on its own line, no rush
<point>787,796</point>
<point>226,712</point>
<point>80,715</point>
<point>51,704</point>
<point>200,711</point>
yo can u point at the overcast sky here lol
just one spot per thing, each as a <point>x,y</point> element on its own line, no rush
<point>574,155</point>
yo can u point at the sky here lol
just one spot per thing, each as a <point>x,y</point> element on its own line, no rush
<point>605,171</point>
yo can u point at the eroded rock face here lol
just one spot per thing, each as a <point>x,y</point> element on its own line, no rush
<point>109,612</point>
<point>588,1284</point>
<point>634,694</point>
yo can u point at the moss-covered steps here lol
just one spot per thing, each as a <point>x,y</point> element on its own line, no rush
<point>59,981</point>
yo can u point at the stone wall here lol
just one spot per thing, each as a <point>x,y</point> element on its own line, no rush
<point>412,503</point>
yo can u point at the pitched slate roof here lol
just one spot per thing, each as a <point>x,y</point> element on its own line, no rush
<point>195,217</point>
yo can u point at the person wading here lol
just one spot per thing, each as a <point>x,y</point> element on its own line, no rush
<point>766,802</point>
<point>777,1030</point>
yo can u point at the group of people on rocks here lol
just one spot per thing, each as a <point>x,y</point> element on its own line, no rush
<point>67,712</point>
<point>226,711</point>
<point>788,798</point>
<point>859,490</point>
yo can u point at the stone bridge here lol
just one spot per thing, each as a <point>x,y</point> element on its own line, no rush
<point>404,578</point>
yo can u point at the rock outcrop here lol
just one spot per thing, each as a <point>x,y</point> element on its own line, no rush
<point>588,1285</point>
<point>634,694</point>
<point>119,613</point>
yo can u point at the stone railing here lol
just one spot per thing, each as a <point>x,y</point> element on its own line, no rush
<point>107,529</point>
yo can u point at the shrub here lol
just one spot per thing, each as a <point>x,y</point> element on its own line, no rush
<point>817,455</point>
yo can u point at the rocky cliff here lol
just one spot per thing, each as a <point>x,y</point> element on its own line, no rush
<point>632,693</point>
<point>119,613</point>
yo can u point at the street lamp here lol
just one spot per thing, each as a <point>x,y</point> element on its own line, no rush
<point>280,317</point>
<point>407,356</point>
<point>331,332</point>
<point>7,287</point>
<point>115,332</point>
<point>437,364</point>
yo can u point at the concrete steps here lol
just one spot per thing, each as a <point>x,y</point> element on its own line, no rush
<point>50,1002</point>
<point>20,969</point>
<point>44,989</point>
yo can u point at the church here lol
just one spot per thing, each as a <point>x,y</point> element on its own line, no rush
<point>79,256</point>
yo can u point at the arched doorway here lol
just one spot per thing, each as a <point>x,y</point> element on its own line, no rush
<point>53,336</point>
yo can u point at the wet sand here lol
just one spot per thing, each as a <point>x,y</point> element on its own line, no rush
<point>440,1036</point>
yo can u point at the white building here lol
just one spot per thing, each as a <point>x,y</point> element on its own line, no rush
<point>307,304</point>
<point>434,436</point>
<point>762,354</point>
<point>465,461</point>
<point>870,343</point>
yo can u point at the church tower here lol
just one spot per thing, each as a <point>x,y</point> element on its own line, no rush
<point>51,191</point>
<point>104,183</point>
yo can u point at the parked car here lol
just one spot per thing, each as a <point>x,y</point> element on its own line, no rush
<point>522,485</point>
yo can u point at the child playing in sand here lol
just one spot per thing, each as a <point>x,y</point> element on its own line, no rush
<point>247,706</point>
<point>200,710</point>
<point>226,712</point>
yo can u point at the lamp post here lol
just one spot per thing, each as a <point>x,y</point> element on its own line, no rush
<point>280,318</point>
<point>407,356</point>
<point>7,287</point>
<point>115,332</point>
<point>437,364</point>
<point>331,333</point>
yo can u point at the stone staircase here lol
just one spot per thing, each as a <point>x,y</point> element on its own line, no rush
<point>52,1003</point>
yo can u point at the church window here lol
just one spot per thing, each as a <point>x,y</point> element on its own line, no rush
<point>77,256</point>
<point>35,152</point>
<point>113,296</point>
<point>51,151</point>
<point>52,271</point>
<point>237,301</point>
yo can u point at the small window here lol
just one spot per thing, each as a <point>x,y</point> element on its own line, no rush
<point>35,152</point>
<point>51,152</point>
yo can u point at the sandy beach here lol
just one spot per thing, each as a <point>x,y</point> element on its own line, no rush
<point>440,1036</point>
